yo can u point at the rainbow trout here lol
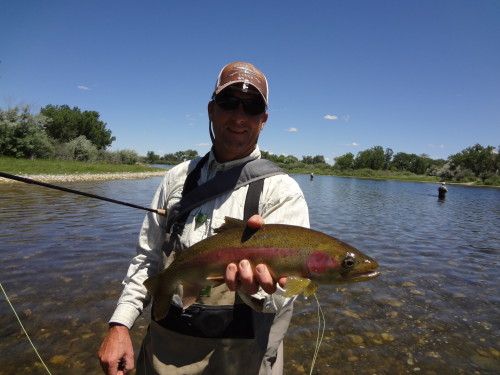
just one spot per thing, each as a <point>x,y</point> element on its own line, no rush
<point>307,257</point>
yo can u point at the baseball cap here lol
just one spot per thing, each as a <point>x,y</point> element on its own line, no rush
<point>248,75</point>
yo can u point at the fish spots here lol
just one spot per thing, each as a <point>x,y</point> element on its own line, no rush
<point>320,262</point>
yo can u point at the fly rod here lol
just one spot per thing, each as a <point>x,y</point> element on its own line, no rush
<point>44,184</point>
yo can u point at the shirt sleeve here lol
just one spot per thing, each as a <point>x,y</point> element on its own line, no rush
<point>147,262</point>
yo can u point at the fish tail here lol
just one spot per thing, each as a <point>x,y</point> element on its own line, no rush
<point>161,298</point>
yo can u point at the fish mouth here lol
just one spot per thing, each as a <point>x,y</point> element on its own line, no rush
<point>363,276</point>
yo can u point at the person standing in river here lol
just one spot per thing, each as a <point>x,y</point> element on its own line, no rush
<point>220,334</point>
<point>442,190</point>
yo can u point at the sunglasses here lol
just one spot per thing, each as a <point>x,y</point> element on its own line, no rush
<point>250,106</point>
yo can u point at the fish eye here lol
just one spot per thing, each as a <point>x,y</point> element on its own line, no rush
<point>348,262</point>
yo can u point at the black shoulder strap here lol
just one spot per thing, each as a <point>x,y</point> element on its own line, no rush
<point>252,199</point>
<point>221,184</point>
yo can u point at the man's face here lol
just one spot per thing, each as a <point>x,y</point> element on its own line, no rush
<point>236,131</point>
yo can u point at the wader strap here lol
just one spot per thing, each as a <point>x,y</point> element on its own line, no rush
<point>190,183</point>
<point>252,199</point>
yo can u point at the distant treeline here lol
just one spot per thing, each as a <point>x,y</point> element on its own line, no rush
<point>61,132</point>
<point>58,132</point>
<point>472,164</point>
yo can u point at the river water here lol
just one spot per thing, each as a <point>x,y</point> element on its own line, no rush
<point>434,310</point>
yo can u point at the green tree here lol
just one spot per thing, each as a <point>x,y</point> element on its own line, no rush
<point>344,162</point>
<point>80,149</point>
<point>151,157</point>
<point>269,156</point>
<point>319,159</point>
<point>290,159</point>
<point>180,156</point>
<point>68,123</point>
<point>373,158</point>
<point>480,160</point>
<point>307,160</point>
<point>402,161</point>
<point>22,134</point>
<point>388,158</point>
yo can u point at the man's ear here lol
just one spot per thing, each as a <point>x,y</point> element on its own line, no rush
<point>210,108</point>
<point>264,121</point>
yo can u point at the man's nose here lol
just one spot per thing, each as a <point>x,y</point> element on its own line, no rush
<point>240,111</point>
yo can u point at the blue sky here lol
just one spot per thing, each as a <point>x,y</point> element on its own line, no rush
<point>416,76</point>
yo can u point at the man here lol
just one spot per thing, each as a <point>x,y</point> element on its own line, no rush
<point>442,190</point>
<point>220,334</point>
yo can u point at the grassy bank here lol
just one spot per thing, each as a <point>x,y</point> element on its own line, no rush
<point>53,167</point>
<point>388,175</point>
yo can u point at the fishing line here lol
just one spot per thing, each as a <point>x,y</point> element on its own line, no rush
<point>26,333</point>
<point>321,332</point>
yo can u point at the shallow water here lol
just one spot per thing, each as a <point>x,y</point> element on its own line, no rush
<point>434,310</point>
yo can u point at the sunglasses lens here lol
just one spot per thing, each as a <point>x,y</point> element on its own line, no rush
<point>227,102</point>
<point>250,106</point>
<point>254,107</point>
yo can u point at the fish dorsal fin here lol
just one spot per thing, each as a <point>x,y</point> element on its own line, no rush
<point>230,223</point>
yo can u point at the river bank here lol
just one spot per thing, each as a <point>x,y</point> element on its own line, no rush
<point>88,176</point>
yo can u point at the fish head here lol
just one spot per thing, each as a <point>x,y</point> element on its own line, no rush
<point>349,266</point>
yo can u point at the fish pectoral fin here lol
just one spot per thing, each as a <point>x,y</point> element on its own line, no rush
<point>190,293</point>
<point>296,285</point>
<point>254,303</point>
<point>188,301</point>
<point>310,290</point>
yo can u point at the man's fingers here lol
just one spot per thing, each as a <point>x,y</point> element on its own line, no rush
<point>247,278</point>
<point>265,279</point>
<point>232,277</point>
<point>255,222</point>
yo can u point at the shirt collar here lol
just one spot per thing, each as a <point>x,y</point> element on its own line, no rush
<point>221,167</point>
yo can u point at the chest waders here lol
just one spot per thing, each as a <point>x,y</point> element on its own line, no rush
<point>221,321</point>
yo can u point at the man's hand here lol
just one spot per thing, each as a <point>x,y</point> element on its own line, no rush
<point>248,277</point>
<point>117,353</point>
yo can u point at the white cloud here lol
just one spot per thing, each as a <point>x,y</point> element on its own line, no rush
<point>351,144</point>
<point>202,144</point>
<point>292,130</point>
<point>330,117</point>
<point>434,146</point>
<point>83,88</point>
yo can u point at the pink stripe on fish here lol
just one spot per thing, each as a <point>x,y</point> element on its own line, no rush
<point>320,262</point>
